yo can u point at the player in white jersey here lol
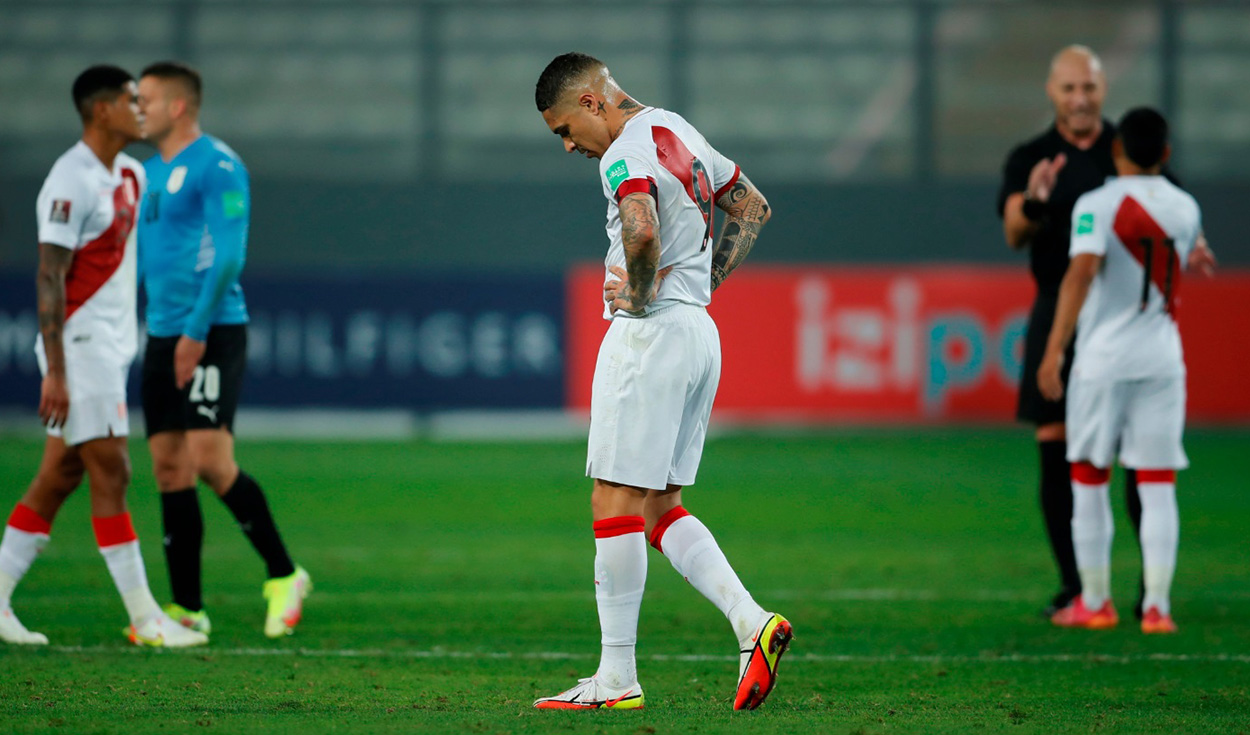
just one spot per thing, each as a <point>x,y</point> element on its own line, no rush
<point>1131,238</point>
<point>86,292</point>
<point>658,367</point>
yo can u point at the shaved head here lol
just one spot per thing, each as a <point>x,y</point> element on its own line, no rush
<point>1077,87</point>
<point>1076,55</point>
<point>569,74</point>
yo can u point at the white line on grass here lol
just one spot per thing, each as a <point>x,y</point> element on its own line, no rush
<point>797,595</point>
<point>1013,658</point>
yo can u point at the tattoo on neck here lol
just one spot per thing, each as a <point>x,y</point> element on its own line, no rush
<point>629,105</point>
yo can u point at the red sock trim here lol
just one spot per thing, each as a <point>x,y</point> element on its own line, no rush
<point>666,520</point>
<point>113,530</point>
<point>1156,476</point>
<point>1087,474</point>
<point>619,526</point>
<point>25,519</point>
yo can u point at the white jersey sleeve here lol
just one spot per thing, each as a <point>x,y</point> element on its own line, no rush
<point>627,171</point>
<point>63,206</point>
<point>1091,225</point>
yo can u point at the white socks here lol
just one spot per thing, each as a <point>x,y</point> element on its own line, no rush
<point>1160,535</point>
<point>25,537</point>
<point>1092,531</point>
<point>120,548</point>
<point>620,575</point>
<point>695,555</point>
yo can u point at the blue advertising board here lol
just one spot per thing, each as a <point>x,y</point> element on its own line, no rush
<point>420,342</point>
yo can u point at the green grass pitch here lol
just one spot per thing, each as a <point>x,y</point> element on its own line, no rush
<point>453,586</point>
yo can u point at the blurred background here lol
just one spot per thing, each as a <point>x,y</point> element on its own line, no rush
<point>420,243</point>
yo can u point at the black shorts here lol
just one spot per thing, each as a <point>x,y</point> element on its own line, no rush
<point>210,399</point>
<point>1032,406</point>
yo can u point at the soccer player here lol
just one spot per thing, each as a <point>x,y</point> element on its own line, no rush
<point>192,240</point>
<point>1041,181</point>
<point>1126,395</point>
<point>87,333</point>
<point>658,367</point>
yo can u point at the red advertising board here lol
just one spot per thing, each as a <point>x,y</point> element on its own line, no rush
<point>904,344</point>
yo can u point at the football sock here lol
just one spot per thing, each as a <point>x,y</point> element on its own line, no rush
<point>620,574</point>
<point>184,540</point>
<point>1160,535</point>
<point>246,501</point>
<point>24,537</point>
<point>1092,530</point>
<point>119,546</point>
<point>1133,503</point>
<point>1056,499</point>
<point>695,555</point>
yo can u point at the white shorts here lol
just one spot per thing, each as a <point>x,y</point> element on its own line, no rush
<point>1140,420</point>
<point>97,395</point>
<point>655,381</point>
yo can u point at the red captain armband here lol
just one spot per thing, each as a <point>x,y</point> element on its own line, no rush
<point>637,186</point>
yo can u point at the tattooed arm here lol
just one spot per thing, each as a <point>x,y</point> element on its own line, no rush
<point>748,211</point>
<point>640,236</point>
<point>54,262</point>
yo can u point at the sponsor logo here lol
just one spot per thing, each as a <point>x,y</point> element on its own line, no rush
<point>176,179</point>
<point>1085,224</point>
<point>617,173</point>
<point>60,211</point>
<point>210,413</point>
<point>233,204</point>
<point>227,165</point>
<point>80,338</point>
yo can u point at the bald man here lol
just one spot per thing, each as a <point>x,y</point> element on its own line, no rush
<point>1041,182</point>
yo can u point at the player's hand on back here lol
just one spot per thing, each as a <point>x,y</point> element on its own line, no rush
<point>187,354</point>
<point>1201,258</point>
<point>1043,177</point>
<point>54,400</point>
<point>622,298</point>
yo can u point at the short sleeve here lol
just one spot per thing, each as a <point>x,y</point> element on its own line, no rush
<point>1015,176</point>
<point>627,171</point>
<point>62,209</point>
<point>227,198</point>
<point>1090,227</point>
<point>725,173</point>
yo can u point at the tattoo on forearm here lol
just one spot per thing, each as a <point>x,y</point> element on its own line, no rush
<point>50,295</point>
<point>640,227</point>
<point>748,211</point>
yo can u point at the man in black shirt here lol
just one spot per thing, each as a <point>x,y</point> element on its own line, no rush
<point>1041,182</point>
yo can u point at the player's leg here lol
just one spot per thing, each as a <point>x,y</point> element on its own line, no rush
<point>1095,415</point>
<point>1153,445</point>
<point>1054,472</point>
<point>629,448</point>
<point>1132,501</point>
<point>107,464</point>
<point>165,412</point>
<point>287,585</point>
<point>212,400</point>
<point>30,524</point>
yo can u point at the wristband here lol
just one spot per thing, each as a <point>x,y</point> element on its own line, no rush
<point>1033,209</point>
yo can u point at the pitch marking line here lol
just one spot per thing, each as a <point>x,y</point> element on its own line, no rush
<point>1018,658</point>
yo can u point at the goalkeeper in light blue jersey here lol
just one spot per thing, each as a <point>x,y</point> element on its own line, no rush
<point>192,244</point>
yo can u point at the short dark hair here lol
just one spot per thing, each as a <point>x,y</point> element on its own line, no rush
<point>1143,132</point>
<point>100,82</point>
<point>556,78</point>
<point>179,72</point>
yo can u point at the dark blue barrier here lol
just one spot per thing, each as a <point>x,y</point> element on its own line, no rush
<point>419,342</point>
